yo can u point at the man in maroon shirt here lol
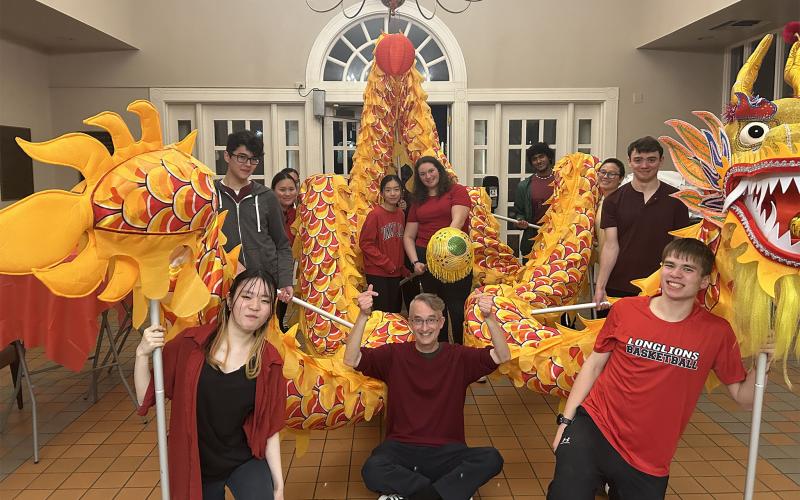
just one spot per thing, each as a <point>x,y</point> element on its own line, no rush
<point>532,193</point>
<point>425,455</point>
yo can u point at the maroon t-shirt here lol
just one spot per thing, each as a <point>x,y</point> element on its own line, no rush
<point>381,242</point>
<point>435,213</point>
<point>541,191</point>
<point>642,231</point>
<point>426,394</point>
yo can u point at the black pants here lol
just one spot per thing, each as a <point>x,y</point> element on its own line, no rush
<point>390,297</point>
<point>454,471</point>
<point>454,296</point>
<point>584,459</point>
<point>282,306</point>
<point>612,292</point>
<point>250,481</point>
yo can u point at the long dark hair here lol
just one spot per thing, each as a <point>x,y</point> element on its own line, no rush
<point>282,175</point>
<point>420,193</point>
<point>253,365</point>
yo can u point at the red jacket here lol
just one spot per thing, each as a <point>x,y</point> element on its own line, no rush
<point>183,359</point>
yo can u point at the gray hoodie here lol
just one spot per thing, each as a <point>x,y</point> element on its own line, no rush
<point>257,223</point>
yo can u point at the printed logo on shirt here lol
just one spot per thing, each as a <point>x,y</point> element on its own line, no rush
<point>392,230</point>
<point>663,353</point>
<point>565,441</point>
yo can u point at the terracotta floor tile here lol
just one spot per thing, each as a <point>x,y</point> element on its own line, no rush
<point>30,494</point>
<point>122,464</point>
<point>121,437</point>
<point>143,479</point>
<point>336,458</point>
<point>299,491</point>
<point>79,451</point>
<point>48,480</point>
<point>100,493</point>
<point>17,481</point>
<point>309,459</point>
<point>495,487</point>
<point>513,456</point>
<point>112,479</point>
<point>716,484</point>
<point>525,487</point>
<point>331,490</point>
<point>358,490</point>
<point>80,480</point>
<point>337,473</point>
<point>517,471</point>
<point>129,493</point>
<point>107,451</point>
<point>65,464</point>
<point>683,485</point>
<point>302,475</point>
<point>95,464</point>
<point>29,467</point>
<point>70,494</point>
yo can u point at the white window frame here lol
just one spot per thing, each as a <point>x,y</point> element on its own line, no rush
<point>780,63</point>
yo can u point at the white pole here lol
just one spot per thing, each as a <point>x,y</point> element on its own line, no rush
<point>755,425</point>
<point>573,307</point>
<point>509,219</point>
<point>326,314</point>
<point>161,415</point>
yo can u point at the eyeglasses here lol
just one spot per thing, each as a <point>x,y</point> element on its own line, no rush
<point>242,159</point>
<point>607,174</point>
<point>418,322</point>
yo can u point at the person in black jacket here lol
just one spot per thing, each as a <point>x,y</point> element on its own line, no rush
<point>254,219</point>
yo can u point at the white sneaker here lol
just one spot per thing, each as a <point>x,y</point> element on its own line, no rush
<point>481,380</point>
<point>393,496</point>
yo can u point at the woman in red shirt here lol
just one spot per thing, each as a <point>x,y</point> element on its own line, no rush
<point>437,202</point>
<point>381,243</point>
<point>285,187</point>
<point>228,397</point>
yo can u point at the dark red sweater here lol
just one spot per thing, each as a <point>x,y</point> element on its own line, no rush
<point>381,242</point>
<point>426,395</point>
<point>183,359</point>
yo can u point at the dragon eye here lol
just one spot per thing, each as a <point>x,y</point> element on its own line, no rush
<point>753,134</point>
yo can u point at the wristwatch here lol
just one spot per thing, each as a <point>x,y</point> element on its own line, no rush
<point>561,419</point>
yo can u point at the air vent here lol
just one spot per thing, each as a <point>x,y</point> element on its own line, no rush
<point>742,23</point>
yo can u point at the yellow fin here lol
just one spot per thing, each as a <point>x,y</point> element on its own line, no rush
<point>187,144</point>
<point>123,276</point>
<point>84,153</point>
<point>68,215</point>
<point>78,277</point>
<point>190,295</point>
<point>120,135</point>
<point>151,123</point>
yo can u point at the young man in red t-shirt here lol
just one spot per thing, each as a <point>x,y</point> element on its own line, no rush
<point>636,392</point>
<point>425,455</point>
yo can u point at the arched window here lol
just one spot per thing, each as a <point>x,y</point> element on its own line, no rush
<point>350,56</point>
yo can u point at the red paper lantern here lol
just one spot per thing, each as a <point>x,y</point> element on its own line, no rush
<point>395,54</point>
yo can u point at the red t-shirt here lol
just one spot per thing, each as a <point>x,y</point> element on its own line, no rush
<point>184,357</point>
<point>426,394</point>
<point>647,391</point>
<point>435,213</point>
<point>381,242</point>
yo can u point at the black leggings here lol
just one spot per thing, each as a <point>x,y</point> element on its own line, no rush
<point>585,459</point>
<point>453,470</point>
<point>454,296</point>
<point>390,297</point>
<point>250,481</point>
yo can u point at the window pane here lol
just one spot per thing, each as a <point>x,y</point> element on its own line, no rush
<point>765,82</point>
<point>337,133</point>
<point>513,182</point>
<point>550,132</point>
<point>531,131</point>
<point>514,161</point>
<point>257,127</point>
<point>292,133</point>
<point>293,159</point>
<point>351,134</point>
<point>431,51</point>
<point>333,72</point>
<point>340,51</point>
<point>397,26</point>
<point>219,161</point>
<point>355,69</point>
<point>515,132</point>
<point>588,151</point>
<point>259,170</point>
<point>737,60</point>
<point>368,52</point>
<point>238,125</point>
<point>350,153</point>
<point>416,35</point>
<point>220,132</point>
<point>356,36</point>
<point>584,131</point>
<point>480,162</point>
<point>374,27</point>
<point>421,68</point>
<point>439,72</point>
<point>338,162</point>
<point>481,134</point>
<point>786,90</point>
<point>184,128</point>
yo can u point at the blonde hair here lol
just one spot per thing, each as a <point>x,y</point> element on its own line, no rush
<point>253,364</point>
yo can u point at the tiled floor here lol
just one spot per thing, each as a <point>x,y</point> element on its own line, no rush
<point>105,451</point>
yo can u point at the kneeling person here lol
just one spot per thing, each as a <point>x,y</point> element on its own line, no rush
<point>636,392</point>
<point>425,455</point>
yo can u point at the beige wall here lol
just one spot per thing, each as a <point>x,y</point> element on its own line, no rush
<point>116,17</point>
<point>25,102</point>
<point>663,18</point>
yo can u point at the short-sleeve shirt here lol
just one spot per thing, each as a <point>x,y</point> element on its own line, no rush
<point>646,393</point>
<point>435,213</point>
<point>426,394</point>
<point>642,230</point>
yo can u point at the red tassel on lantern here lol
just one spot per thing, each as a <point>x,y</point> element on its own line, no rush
<point>395,54</point>
<point>791,32</point>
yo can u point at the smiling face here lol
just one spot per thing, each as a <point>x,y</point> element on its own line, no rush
<point>392,192</point>
<point>645,166</point>
<point>286,190</point>
<point>609,177</point>
<point>251,305</point>
<point>426,323</point>
<point>428,175</point>
<point>682,278</point>
<point>241,163</point>
<point>541,163</point>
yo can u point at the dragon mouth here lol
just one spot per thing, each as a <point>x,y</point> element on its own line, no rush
<point>765,197</point>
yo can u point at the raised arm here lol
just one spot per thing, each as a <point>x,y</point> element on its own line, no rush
<point>409,245</point>
<point>500,352</point>
<point>152,338</point>
<point>744,392</point>
<point>352,351</point>
<point>458,216</point>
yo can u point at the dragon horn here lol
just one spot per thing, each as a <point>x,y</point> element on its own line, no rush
<point>791,73</point>
<point>747,75</point>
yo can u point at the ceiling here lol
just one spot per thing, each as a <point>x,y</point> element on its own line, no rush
<point>718,31</point>
<point>40,27</point>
